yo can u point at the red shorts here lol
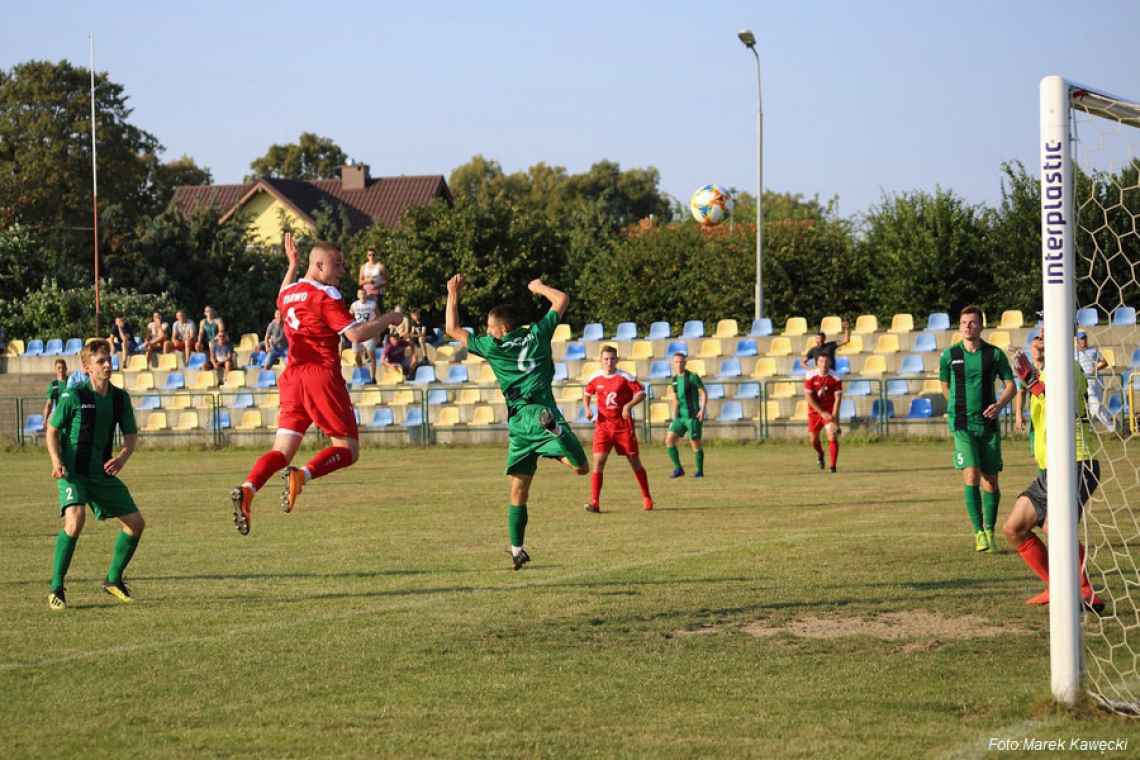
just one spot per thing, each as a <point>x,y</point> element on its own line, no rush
<point>618,434</point>
<point>816,423</point>
<point>311,394</point>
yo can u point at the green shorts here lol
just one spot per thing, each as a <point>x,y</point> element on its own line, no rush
<point>528,440</point>
<point>683,426</point>
<point>981,450</point>
<point>107,497</point>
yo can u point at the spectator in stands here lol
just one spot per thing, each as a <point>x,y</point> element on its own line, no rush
<point>3,340</point>
<point>826,347</point>
<point>275,345</point>
<point>399,354</point>
<point>373,278</point>
<point>1092,362</point>
<point>222,354</point>
<point>156,340</point>
<point>121,339</point>
<point>56,387</point>
<point>182,334</point>
<point>208,329</point>
<point>420,332</point>
<point>364,309</point>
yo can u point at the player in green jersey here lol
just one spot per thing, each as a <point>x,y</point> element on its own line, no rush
<point>55,388</point>
<point>79,438</point>
<point>690,401</point>
<point>524,366</point>
<point>968,370</point>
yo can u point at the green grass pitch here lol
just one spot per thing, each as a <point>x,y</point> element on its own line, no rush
<point>770,610</point>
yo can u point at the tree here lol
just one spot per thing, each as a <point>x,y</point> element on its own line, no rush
<point>178,173</point>
<point>311,157</point>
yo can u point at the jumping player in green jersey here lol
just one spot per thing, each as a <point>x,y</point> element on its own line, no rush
<point>968,370</point>
<point>690,400</point>
<point>79,438</point>
<point>523,364</point>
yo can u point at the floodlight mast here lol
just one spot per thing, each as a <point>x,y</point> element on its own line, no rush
<point>749,40</point>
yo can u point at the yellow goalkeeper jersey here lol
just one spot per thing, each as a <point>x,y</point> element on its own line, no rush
<point>1037,413</point>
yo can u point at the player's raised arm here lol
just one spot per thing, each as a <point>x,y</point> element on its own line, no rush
<point>373,328</point>
<point>290,248</point>
<point>452,328</point>
<point>558,300</point>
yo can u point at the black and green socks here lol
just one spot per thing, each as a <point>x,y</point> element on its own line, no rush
<point>700,461</point>
<point>990,503</point>
<point>125,546</point>
<point>973,495</point>
<point>674,457</point>
<point>64,549</point>
<point>516,524</point>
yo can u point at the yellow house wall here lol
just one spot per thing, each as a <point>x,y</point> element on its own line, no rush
<point>263,212</point>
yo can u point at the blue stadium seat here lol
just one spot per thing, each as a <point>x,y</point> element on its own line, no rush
<point>149,402</point>
<point>197,360</point>
<point>136,344</point>
<point>897,387</point>
<point>175,381</point>
<point>223,420</point>
<point>677,347</point>
<point>858,388</point>
<point>938,320</point>
<point>659,370</point>
<point>846,410</point>
<point>356,414</point>
<point>747,390</point>
<point>920,409</point>
<point>798,369</point>
<point>414,417</point>
<point>924,343</point>
<point>593,331</point>
<point>267,378</point>
<point>912,365</point>
<point>457,373</point>
<point>626,331</point>
<point>115,363</point>
<point>1114,403</point>
<point>255,359</point>
<point>730,367</point>
<point>761,328</point>
<point>35,347</point>
<point>360,376</point>
<point>425,373</point>
<point>747,347</point>
<point>73,347</point>
<point>575,351</point>
<point>382,417</point>
<point>54,347</point>
<point>879,409</point>
<point>731,411</point>
<point>34,423</point>
<point>436,397</point>
<point>658,331</point>
<point>1135,360</point>
<point>843,365</point>
<point>76,377</point>
<point>1087,317</point>
<point>561,372</point>
<point>242,401</point>
<point>714,391</point>
<point>1125,316</point>
<point>580,416</point>
<point>694,328</point>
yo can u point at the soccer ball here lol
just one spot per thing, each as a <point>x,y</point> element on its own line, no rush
<point>710,205</point>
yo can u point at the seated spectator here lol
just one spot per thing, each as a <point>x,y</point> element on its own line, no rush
<point>419,332</point>
<point>403,328</point>
<point>221,355</point>
<point>182,334</point>
<point>121,339</point>
<point>156,340</point>
<point>56,387</point>
<point>373,278</point>
<point>208,329</point>
<point>399,354</point>
<point>275,346</point>
<point>364,309</point>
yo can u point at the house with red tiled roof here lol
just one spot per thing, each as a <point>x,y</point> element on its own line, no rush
<point>266,204</point>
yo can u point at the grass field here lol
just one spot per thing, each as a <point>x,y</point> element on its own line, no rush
<point>770,610</point>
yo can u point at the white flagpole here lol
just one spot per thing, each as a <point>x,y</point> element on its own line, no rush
<point>94,187</point>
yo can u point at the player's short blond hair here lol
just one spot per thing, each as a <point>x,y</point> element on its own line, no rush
<point>99,346</point>
<point>325,245</point>
<point>608,349</point>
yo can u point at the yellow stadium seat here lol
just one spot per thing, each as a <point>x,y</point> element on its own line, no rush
<point>187,421</point>
<point>445,352</point>
<point>999,338</point>
<point>765,367</point>
<point>390,376</point>
<point>932,385</point>
<point>448,416</point>
<point>902,323</point>
<point>486,375</point>
<point>15,347</point>
<point>203,380</point>
<point>659,412</point>
<point>273,400</point>
<point>135,363</point>
<point>561,334</point>
<point>780,346</point>
<point>800,414</point>
<point>473,360</point>
<point>795,326</point>
<point>155,422</point>
<point>371,397</point>
<point>875,365</point>
<point>235,379</point>
<point>642,349</point>
<point>348,358</point>
<point>167,362</point>
<point>772,410</point>
<point>785,390</point>
<point>1109,356</point>
<point>887,343</point>
<point>402,398</point>
<point>483,415</point>
<point>568,393</point>
<point>628,367</point>
<point>710,349</point>
<point>727,328</point>
<point>250,420</point>
<point>143,381</point>
<point>118,380</point>
<point>866,324</point>
<point>589,369</point>
<point>853,346</point>
<point>696,366</point>
<point>494,396</point>
<point>831,325</point>
<point>468,396</point>
<point>178,401</point>
<point>1012,320</point>
<point>441,369</point>
<point>248,342</point>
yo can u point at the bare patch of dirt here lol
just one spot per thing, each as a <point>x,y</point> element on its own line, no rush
<point>932,627</point>
<point>702,631</point>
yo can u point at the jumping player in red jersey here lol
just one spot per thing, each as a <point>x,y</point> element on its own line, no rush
<point>823,390</point>
<point>618,392</point>
<point>312,388</point>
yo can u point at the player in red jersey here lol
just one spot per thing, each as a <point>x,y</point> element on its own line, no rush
<point>823,390</point>
<point>618,392</point>
<point>312,388</point>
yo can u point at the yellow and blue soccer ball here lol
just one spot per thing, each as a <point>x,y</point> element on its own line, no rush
<point>710,205</point>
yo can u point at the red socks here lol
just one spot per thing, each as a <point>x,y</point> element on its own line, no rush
<point>642,482</point>
<point>264,468</point>
<point>595,487</point>
<point>1034,554</point>
<point>329,460</point>
<point>833,452</point>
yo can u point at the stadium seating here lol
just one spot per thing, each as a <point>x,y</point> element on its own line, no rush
<point>747,391</point>
<point>628,367</point>
<point>911,364</point>
<point>235,378</point>
<point>801,412</point>
<point>1134,360</point>
<point>425,374</point>
<point>784,390</point>
<point>659,370</point>
<point>115,362</point>
<point>413,417</point>
<point>143,381</point>
<point>764,367</point>
<point>118,380</point>
<point>448,417</point>
<point>483,416</point>
<point>347,358</point>
<point>697,367</point>
<point>255,359</point>
<point>795,326</point>
<point>382,417</point>
<point>858,388</point>
<point>248,342</point>
<point>731,411</point>
<point>626,331</point>
<point>561,333</point>
<point>881,409</point>
<point>593,331</point>
<point>176,401</point>
<point>395,376</point>
<point>677,347</point>
<point>1114,403</point>
<point>866,324</point>
<point>250,420</point>
<point>831,325</point>
<point>780,346</point>
<point>150,402</point>
<point>166,362</point>
<point>902,323</point>
<point>772,411</point>
<point>659,331</point>
<point>730,367</point>
<point>920,409</point>
<point>436,397</point>
<point>693,328</point>
<point>842,365</point>
<point>360,376</point>
<point>1109,356</point>
<point>53,347</point>
<point>798,368</point>
<point>938,320</point>
<point>456,373</point>
<point>874,366</point>
<point>761,328</point>
<point>710,348</point>
<point>659,412</point>
<point>999,338</point>
<point>197,361</point>
<point>222,420</point>
<point>402,397</point>
<point>241,401</point>
<point>641,350</point>
<point>846,410</point>
<point>714,391</point>
<point>727,328</point>
<point>1087,317</point>
<point>853,346</point>
<point>924,343</point>
<point>135,363</point>
<point>897,387</point>
<point>561,372</point>
<point>33,424</point>
<point>588,370</point>
<point>746,347</point>
<point>1011,319</point>
<point>887,343</point>
<point>267,378</point>
<point>932,385</point>
<point>174,381</point>
<point>575,352</point>
<point>187,422</point>
<point>155,422</point>
<point>73,347</point>
<point>1124,316</point>
<point>35,347</point>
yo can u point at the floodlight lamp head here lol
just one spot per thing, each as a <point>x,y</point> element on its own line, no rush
<point>747,37</point>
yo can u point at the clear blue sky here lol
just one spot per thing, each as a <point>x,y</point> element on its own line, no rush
<point>859,97</point>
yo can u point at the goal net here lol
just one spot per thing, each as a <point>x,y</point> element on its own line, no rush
<point>1090,222</point>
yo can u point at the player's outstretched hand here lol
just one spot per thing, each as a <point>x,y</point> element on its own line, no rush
<point>114,465</point>
<point>455,285</point>
<point>700,415</point>
<point>58,471</point>
<point>290,248</point>
<point>535,285</point>
<point>991,412</point>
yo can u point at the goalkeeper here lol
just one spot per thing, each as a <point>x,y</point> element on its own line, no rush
<point>1031,508</point>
